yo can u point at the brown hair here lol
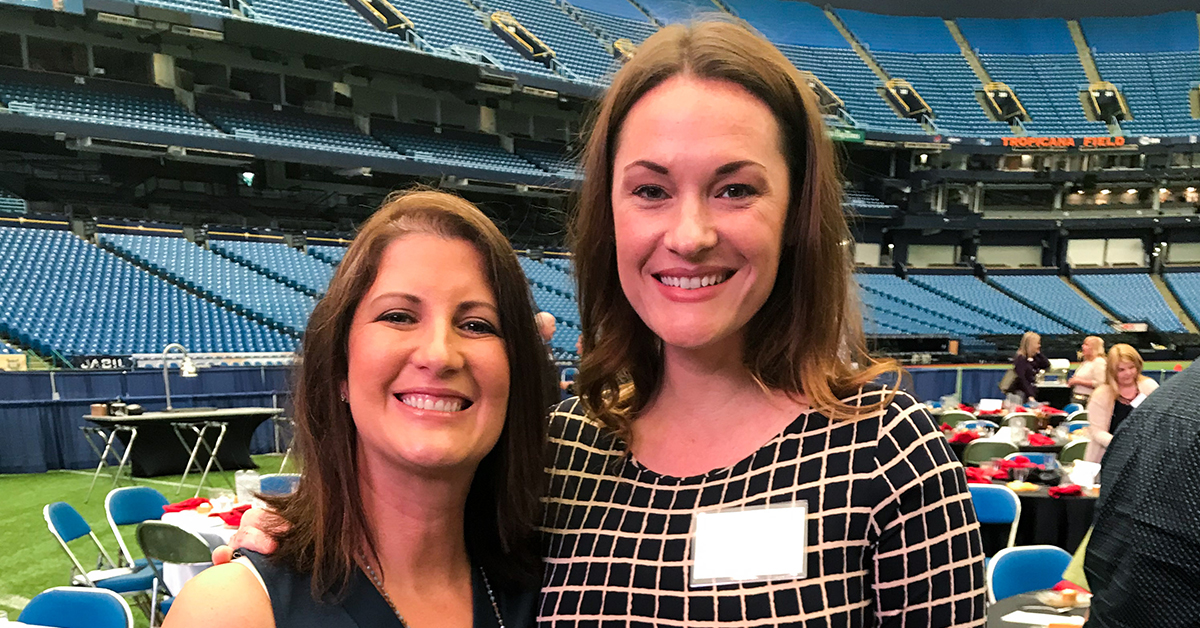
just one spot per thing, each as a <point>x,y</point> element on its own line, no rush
<point>1026,345</point>
<point>1122,353</point>
<point>807,338</point>
<point>327,527</point>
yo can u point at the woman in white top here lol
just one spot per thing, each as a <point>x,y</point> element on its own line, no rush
<point>1116,398</point>
<point>1091,371</point>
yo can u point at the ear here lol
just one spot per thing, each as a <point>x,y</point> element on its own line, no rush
<point>344,390</point>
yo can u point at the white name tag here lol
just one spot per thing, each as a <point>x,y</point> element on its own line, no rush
<point>1137,401</point>
<point>753,545</point>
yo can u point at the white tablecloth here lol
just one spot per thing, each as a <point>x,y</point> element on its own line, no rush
<point>211,529</point>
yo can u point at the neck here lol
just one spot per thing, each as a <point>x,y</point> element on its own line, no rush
<point>418,524</point>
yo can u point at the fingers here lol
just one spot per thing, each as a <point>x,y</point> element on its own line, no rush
<point>222,555</point>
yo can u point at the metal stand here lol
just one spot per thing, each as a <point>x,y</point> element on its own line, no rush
<point>280,422</point>
<point>201,430</point>
<point>96,435</point>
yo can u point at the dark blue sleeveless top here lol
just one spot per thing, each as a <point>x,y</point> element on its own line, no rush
<point>363,607</point>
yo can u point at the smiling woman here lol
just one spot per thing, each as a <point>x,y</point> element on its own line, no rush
<point>422,446</point>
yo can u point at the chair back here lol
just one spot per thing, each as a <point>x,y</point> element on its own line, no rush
<point>129,505</point>
<point>1078,415</point>
<point>75,607</point>
<point>171,544</point>
<point>1072,407</point>
<point>978,423</point>
<point>1073,451</point>
<point>1031,419</point>
<point>954,417</point>
<point>983,449</point>
<point>279,483</point>
<point>1016,570</point>
<point>1036,457</point>
<point>1075,425</point>
<point>66,524</point>
<point>997,504</point>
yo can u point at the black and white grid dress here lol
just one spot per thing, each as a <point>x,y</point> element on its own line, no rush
<point>892,534</point>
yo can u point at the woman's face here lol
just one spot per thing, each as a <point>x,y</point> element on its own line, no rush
<point>1035,345</point>
<point>428,375</point>
<point>1127,373</point>
<point>1088,351</point>
<point>700,193</point>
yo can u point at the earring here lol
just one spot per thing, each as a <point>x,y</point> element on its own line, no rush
<point>343,397</point>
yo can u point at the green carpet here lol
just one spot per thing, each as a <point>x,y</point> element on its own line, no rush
<point>34,561</point>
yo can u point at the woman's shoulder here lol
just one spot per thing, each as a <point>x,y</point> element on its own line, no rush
<point>228,595</point>
<point>1147,385</point>
<point>570,424</point>
<point>895,409</point>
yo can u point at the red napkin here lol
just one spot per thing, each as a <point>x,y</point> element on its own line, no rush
<point>1070,490</point>
<point>1020,462</point>
<point>233,517</point>
<point>187,504</point>
<point>989,412</point>
<point>1051,411</point>
<point>1040,440</point>
<point>946,427</point>
<point>964,437</point>
<point>975,475</point>
<point>965,408</point>
<point>1067,584</point>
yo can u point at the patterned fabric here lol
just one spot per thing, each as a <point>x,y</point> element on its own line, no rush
<point>892,536</point>
<point>1143,560</point>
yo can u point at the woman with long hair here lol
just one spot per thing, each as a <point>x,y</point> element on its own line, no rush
<point>1091,371</point>
<point>1123,390</point>
<point>419,418</point>
<point>1026,365</point>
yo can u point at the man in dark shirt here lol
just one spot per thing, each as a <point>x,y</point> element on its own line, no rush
<point>1143,560</point>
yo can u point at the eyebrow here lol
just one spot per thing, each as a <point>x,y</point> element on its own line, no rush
<point>416,300</point>
<point>728,168</point>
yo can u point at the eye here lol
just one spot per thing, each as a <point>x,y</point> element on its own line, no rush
<point>650,192</point>
<point>737,190</point>
<point>399,317</point>
<point>480,327</point>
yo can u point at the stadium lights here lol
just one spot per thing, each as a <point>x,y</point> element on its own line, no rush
<point>1106,191</point>
<point>1164,191</point>
<point>1191,189</point>
<point>1131,191</point>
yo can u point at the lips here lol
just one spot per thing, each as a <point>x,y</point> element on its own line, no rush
<point>435,403</point>
<point>693,282</point>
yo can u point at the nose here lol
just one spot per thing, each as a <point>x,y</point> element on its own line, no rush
<point>693,232</point>
<point>438,349</point>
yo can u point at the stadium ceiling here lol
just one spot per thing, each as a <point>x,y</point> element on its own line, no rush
<point>1015,8</point>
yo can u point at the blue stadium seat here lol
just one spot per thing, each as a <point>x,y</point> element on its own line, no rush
<point>451,148</point>
<point>1132,296</point>
<point>1186,288</point>
<point>977,295</point>
<point>1051,293</point>
<point>328,254</point>
<point>278,261</point>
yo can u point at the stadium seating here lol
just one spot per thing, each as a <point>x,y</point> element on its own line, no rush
<point>76,299</point>
<point>1132,296</point>
<point>934,306</point>
<point>552,158</point>
<point>291,127</point>
<point>10,202</point>
<point>98,102</point>
<point>202,7</point>
<point>332,18</point>
<point>977,295</point>
<point>279,262</point>
<point>922,51</point>
<point>924,319</point>
<point>573,45</point>
<point>554,292</point>
<point>1037,59</point>
<point>329,254</point>
<point>1050,293</point>
<point>613,19</point>
<point>673,11</point>
<point>6,348</point>
<point>216,277</point>
<point>1186,288</point>
<point>451,148</point>
<point>1154,60</point>
<point>862,200</point>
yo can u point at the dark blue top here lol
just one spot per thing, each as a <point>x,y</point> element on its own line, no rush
<point>363,607</point>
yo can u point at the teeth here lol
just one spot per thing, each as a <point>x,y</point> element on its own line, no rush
<point>692,283</point>
<point>429,402</point>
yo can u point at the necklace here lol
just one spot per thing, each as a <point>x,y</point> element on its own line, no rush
<point>378,583</point>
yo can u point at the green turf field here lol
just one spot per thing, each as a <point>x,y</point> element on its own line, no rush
<point>32,560</point>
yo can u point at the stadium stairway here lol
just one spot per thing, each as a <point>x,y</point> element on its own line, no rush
<point>279,262</point>
<point>1173,303</point>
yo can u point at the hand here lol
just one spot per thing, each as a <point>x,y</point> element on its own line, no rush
<point>251,535</point>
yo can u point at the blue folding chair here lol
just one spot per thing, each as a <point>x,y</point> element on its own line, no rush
<point>128,506</point>
<point>66,525</point>
<point>278,484</point>
<point>1073,426</point>
<point>1072,407</point>
<point>73,607</point>
<point>997,504</point>
<point>1078,415</point>
<point>1017,570</point>
<point>978,423</point>
<point>1036,457</point>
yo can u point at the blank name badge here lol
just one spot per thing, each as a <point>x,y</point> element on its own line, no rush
<point>750,545</point>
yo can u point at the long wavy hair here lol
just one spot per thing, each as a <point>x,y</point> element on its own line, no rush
<point>327,528</point>
<point>807,338</point>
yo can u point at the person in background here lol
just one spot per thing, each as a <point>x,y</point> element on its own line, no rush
<point>421,425</point>
<point>1123,390</point>
<point>1091,372</point>
<point>1026,365</point>
<point>1143,558</point>
<point>546,326</point>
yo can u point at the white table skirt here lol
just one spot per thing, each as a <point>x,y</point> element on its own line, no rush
<point>211,529</point>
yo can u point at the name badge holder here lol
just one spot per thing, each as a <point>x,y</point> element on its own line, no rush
<point>749,545</point>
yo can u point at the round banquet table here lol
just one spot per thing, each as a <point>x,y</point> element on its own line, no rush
<point>1027,602</point>
<point>1058,521</point>
<point>1056,448</point>
<point>211,529</point>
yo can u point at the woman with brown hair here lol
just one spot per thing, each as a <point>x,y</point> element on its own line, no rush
<point>724,370</point>
<point>419,412</point>
<point>1123,390</point>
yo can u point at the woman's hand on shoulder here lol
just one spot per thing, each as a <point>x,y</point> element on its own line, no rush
<point>224,596</point>
<point>251,534</point>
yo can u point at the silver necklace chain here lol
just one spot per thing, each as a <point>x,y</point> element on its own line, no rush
<point>378,582</point>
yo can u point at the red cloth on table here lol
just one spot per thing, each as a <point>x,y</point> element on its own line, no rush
<point>187,504</point>
<point>1020,462</point>
<point>990,412</point>
<point>965,408</point>
<point>975,475</point>
<point>1067,584</point>
<point>946,427</point>
<point>1041,440</point>
<point>1051,411</point>
<point>233,517</point>
<point>964,437</point>
<point>1070,490</point>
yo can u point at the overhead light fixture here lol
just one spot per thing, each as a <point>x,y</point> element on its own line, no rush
<point>1131,191</point>
<point>1106,191</point>
<point>1164,191</point>
<point>1191,188</point>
